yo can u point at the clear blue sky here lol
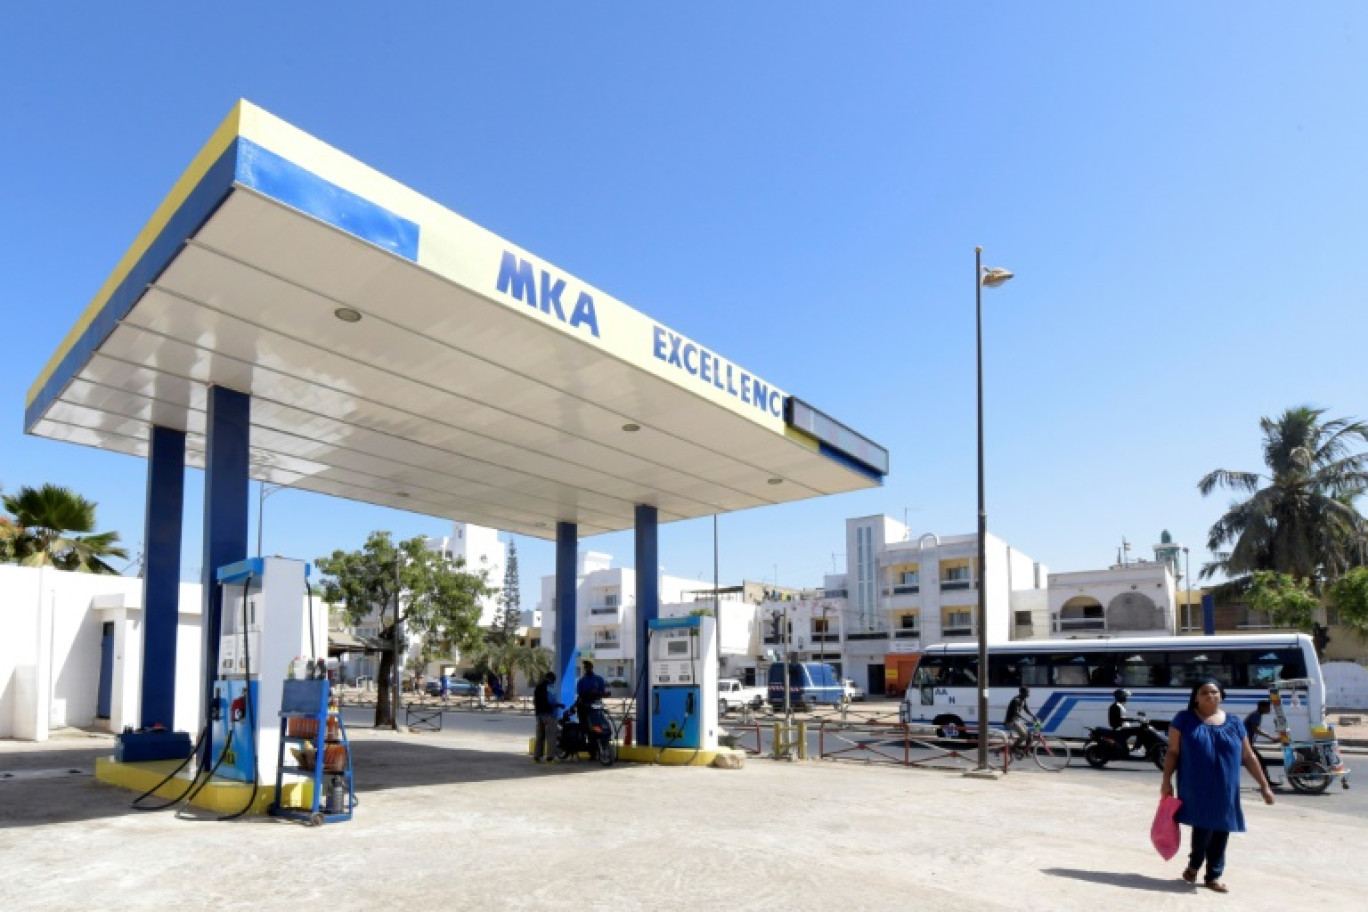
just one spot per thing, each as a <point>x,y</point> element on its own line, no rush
<point>1180,189</point>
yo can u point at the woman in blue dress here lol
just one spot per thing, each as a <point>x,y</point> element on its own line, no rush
<point>1207,747</point>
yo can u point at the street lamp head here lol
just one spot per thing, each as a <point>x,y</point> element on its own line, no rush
<point>993,276</point>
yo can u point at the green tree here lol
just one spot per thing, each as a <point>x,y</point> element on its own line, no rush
<point>438,602</point>
<point>509,617</point>
<point>41,532</point>
<point>1349,594</point>
<point>1300,519</point>
<point>1288,601</point>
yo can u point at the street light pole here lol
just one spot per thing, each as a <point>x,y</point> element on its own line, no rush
<point>1187,615</point>
<point>992,277</point>
<point>264,491</point>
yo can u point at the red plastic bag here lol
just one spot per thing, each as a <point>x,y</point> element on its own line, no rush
<point>1164,831</point>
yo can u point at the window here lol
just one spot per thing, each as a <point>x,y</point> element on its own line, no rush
<point>958,623</point>
<point>1144,669</point>
<point>909,578</point>
<point>908,622</point>
<point>956,574</point>
<point>1188,668</point>
<point>1023,618</point>
<point>1262,668</point>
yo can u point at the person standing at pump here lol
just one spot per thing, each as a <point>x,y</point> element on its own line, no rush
<point>1207,747</point>
<point>545,705</point>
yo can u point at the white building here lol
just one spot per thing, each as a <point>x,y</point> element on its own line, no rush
<point>898,595</point>
<point>605,605</point>
<point>71,655</point>
<point>481,549</point>
<point>1129,598</point>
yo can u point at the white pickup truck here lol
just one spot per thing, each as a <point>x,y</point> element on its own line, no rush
<point>732,694</point>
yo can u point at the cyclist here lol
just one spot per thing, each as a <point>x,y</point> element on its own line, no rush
<point>1017,711</point>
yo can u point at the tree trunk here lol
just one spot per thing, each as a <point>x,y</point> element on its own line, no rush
<point>384,700</point>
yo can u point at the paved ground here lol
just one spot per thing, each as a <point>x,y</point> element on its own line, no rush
<point>463,820</point>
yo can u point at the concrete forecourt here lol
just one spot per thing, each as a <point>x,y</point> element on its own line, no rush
<point>463,819</point>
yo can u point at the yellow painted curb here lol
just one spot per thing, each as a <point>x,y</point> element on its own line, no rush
<point>220,795</point>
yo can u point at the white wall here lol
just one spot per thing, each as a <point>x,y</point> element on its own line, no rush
<point>1346,685</point>
<point>50,651</point>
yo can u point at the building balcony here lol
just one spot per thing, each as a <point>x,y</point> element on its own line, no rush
<point>828,637</point>
<point>902,589</point>
<point>958,631</point>
<point>1076,625</point>
<point>952,585</point>
<point>907,633</point>
<point>867,635</point>
<point>614,610</point>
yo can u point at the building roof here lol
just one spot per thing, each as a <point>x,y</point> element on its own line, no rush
<point>400,355</point>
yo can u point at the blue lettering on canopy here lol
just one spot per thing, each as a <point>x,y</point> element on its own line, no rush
<point>518,278</point>
<point>695,360</point>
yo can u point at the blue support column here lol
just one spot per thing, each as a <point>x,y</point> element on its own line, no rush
<point>567,554</point>
<point>1209,615</point>
<point>226,457</point>
<point>647,605</point>
<point>161,575</point>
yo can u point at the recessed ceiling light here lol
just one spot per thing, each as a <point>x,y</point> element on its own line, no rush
<point>541,525</point>
<point>776,481</point>
<point>347,315</point>
<point>631,428</point>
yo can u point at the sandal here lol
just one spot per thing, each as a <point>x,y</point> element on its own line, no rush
<point>1216,886</point>
<point>1190,875</point>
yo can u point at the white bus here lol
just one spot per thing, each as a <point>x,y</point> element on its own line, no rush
<point>1072,681</point>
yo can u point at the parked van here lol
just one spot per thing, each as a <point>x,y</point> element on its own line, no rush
<point>810,684</point>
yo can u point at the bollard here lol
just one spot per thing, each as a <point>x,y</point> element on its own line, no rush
<point>778,741</point>
<point>802,741</point>
<point>627,732</point>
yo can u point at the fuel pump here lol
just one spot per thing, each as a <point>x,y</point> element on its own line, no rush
<point>683,675</point>
<point>266,625</point>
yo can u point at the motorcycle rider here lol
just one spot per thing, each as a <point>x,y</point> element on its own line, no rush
<point>1122,722</point>
<point>589,689</point>
<point>1017,710</point>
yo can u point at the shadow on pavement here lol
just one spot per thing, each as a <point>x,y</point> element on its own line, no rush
<point>59,785</point>
<point>1128,881</point>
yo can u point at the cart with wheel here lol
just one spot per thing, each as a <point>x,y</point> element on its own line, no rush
<point>1310,765</point>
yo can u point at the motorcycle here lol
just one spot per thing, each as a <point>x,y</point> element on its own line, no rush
<point>595,738</point>
<point>1107,744</point>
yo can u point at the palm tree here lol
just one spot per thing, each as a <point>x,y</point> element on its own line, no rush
<point>45,516</point>
<point>1301,519</point>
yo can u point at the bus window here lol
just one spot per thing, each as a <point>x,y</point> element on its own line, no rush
<point>1070,670</point>
<point>1004,671</point>
<point>961,671</point>
<point>1102,670</point>
<point>929,671</point>
<point>1016,670</point>
<point>1262,668</point>
<point>1035,672</point>
<point>1144,669</point>
<point>1189,668</point>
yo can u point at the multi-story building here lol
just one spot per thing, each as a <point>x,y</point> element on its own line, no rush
<point>605,605</point>
<point>898,595</point>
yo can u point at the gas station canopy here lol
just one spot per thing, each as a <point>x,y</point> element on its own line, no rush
<point>397,354</point>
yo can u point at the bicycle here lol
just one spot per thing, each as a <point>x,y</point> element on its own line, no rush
<point>1049,753</point>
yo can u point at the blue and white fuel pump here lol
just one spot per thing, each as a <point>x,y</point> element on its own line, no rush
<point>266,625</point>
<point>683,674</point>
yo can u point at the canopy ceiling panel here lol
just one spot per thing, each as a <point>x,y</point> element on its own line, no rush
<point>398,354</point>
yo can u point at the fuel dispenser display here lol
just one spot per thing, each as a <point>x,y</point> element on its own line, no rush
<point>683,675</point>
<point>265,626</point>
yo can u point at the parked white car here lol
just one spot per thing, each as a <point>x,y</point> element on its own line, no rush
<point>853,692</point>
